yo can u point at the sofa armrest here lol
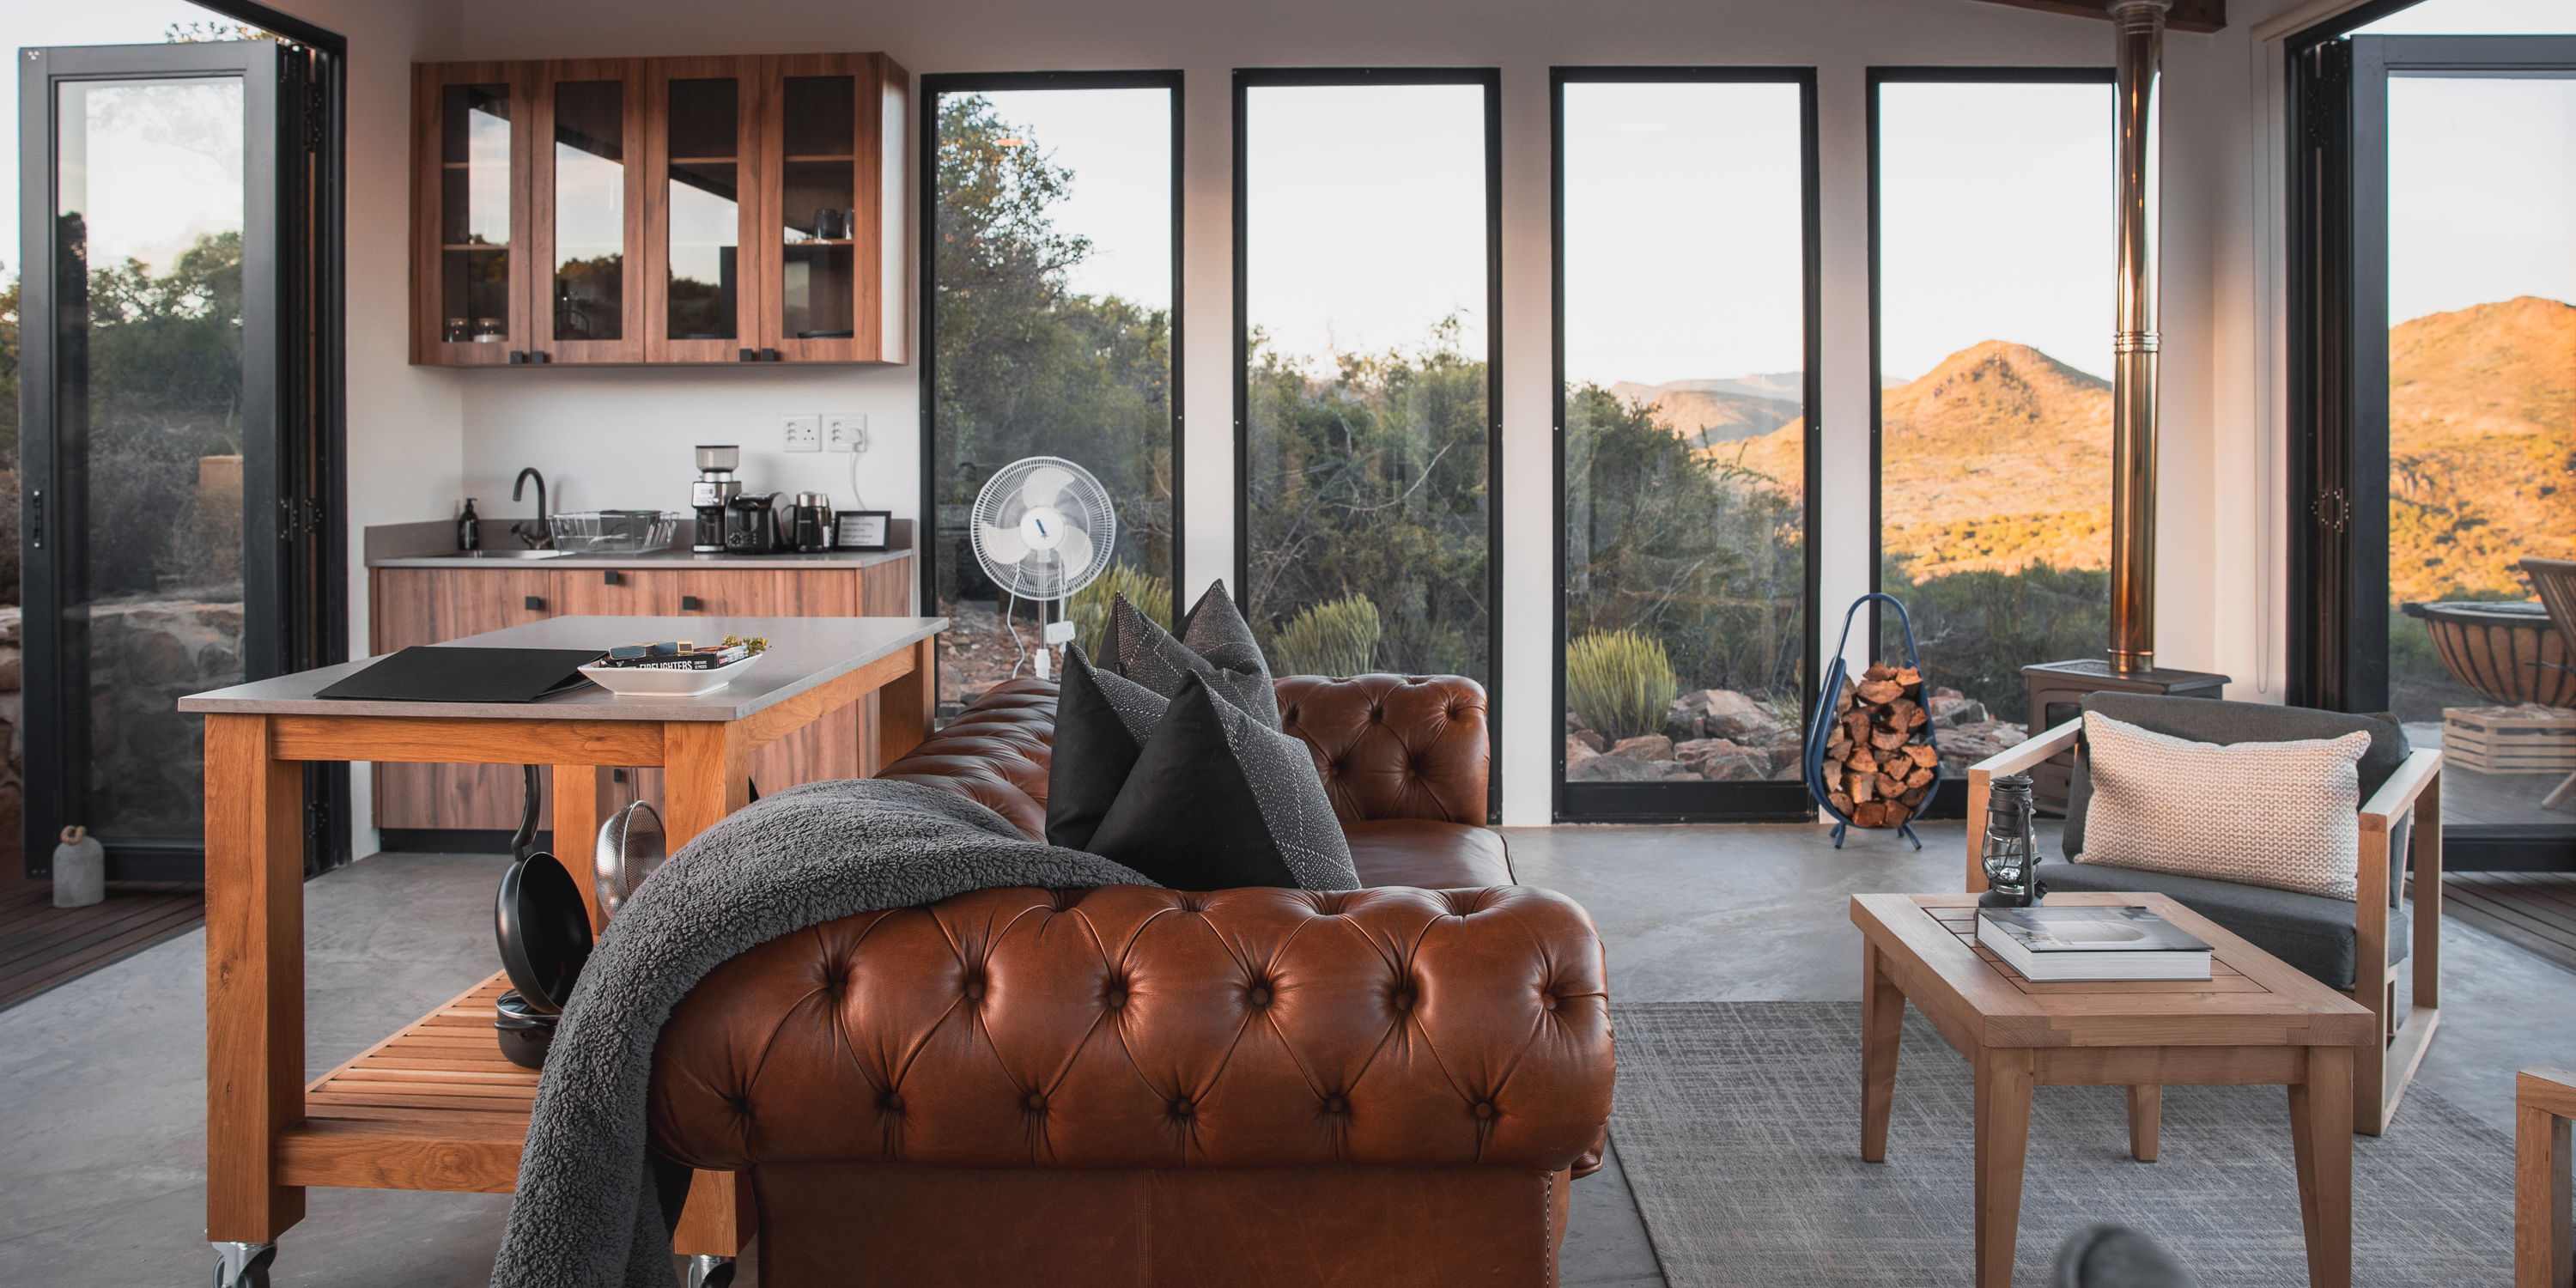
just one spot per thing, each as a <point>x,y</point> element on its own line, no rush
<point>1132,1026</point>
<point>1394,746</point>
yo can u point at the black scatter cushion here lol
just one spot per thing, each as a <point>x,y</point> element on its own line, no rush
<point>1216,801</point>
<point>1214,629</point>
<point>1101,724</point>
<point>1150,656</point>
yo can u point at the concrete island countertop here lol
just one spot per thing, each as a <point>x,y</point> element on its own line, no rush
<point>803,652</point>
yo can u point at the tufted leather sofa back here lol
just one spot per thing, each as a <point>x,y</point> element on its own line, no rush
<point>1130,1027</point>
<point>1388,747</point>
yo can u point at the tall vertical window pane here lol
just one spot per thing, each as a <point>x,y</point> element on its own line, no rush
<point>1051,316</point>
<point>1365,236</point>
<point>1685,342</point>
<point>1996,268</point>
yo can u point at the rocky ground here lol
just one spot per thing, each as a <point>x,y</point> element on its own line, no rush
<point>1720,735</point>
<point>976,653</point>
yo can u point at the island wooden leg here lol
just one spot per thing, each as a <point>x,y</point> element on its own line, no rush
<point>1882,1029</point>
<point>907,704</point>
<point>2004,1078</point>
<point>578,814</point>
<point>254,978</point>
<point>706,774</point>
<point>2542,1252</point>
<point>2146,1117</point>
<point>2321,1136</point>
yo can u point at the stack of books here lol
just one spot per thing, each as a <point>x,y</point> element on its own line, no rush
<point>2056,945</point>
<point>675,655</point>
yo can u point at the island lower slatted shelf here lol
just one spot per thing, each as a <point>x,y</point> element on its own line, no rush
<point>434,1107</point>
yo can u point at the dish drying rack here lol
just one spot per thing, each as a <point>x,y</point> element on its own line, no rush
<point>613,531</point>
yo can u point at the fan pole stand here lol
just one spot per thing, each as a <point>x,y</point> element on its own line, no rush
<point>710,1272</point>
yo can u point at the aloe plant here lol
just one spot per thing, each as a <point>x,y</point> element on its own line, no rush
<point>1337,638</point>
<point>1089,609</point>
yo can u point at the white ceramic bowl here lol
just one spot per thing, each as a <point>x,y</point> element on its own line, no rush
<point>655,682</point>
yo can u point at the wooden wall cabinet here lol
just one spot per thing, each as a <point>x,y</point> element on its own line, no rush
<point>661,210</point>
<point>431,605</point>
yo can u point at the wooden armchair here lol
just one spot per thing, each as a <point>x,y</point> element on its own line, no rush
<point>2544,1254</point>
<point>2408,792</point>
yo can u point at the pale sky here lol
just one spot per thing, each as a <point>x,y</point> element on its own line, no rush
<point>1366,208</point>
<point>2478,18</point>
<point>1683,231</point>
<point>2481,192</point>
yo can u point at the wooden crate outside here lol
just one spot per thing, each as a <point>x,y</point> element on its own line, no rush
<point>2527,739</point>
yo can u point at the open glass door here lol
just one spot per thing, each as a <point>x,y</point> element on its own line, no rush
<point>2442,395</point>
<point>169,479</point>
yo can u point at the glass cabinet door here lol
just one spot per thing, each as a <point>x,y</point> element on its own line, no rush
<point>702,205</point>
<point>586,216</point>
<point>470,284</point>
<point>827,258</point>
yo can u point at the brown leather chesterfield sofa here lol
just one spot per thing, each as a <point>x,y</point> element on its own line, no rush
<point>1138,1086</point>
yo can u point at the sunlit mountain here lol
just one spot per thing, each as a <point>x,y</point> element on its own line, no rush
<point>2482,446</point>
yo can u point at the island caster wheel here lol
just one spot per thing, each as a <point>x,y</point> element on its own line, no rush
<point>710,1272</point>
<point>243,1265</point>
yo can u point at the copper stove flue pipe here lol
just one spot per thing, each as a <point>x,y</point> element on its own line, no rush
<point>2140,28</point>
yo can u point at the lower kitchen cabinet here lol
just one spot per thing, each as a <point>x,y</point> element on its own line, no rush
<point>430,806</point>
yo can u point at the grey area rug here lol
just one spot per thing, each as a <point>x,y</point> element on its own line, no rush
<point>1738,1124</point>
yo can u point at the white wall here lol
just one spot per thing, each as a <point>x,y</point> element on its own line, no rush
<point>622,437</point>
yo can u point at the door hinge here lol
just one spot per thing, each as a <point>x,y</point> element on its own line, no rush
<point>314,113</point>
<point>36,518</point>
<point>2333,509</point>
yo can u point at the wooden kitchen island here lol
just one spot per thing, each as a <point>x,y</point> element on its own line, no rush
<point>434,1107</point>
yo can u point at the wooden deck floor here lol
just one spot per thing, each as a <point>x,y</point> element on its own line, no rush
<point>42,945</point>
<point>2534,910</point>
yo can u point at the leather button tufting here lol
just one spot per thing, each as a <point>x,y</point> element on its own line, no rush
<point>1036,1102</point>
<point>1259,996</point>
<point>1336,1105</point>
<point>1115,998</point>
<point>892,1102</point>
<point>1404,1001</point>
<point>1547,1000</point>
<point>1182,1108</point>
<point>975,990</point>
<point>1484,1109</point>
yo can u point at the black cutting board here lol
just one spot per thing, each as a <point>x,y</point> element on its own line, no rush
<point>448,674</point>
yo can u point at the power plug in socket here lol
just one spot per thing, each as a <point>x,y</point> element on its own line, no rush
<point>845,431</point>
<point>804,433</point>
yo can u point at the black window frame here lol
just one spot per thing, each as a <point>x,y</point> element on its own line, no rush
<point>932,86</point>
<point>1951,800</point>
<point>1782,800</point>
<point>1490,79</point>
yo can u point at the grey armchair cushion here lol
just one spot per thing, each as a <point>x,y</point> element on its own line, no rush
<point>2308,931</point>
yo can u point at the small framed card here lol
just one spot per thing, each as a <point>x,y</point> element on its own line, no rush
<point>863,529</point>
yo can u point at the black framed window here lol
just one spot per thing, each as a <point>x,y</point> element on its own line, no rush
<point>1991,249</point>
<point>1686,340</point>
<point>1051,327</point>
<point>1368,368</point>
<point>2433,397</point>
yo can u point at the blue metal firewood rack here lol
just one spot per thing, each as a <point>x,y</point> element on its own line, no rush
<point>1821,730</point>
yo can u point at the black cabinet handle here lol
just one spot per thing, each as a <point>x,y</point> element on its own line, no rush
<point>536,604</point>
<point>612,577</point>
<point>540,355</point>
<point>769,355</point>
<point>518,357</point>
<point>691,603</point>
<point>746,355</point>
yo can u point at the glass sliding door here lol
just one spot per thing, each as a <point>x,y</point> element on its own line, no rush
<point>1686,342</point>
<point>1051,313</point>
<point>1992,226</point>
<point>1365,261</point>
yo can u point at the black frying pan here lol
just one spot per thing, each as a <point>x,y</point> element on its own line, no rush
<point>539,920</point>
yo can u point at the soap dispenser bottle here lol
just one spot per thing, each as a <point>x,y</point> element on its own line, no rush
<point>469,528</point>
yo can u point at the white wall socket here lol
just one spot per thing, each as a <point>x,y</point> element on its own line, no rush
<point>805,432</point>
<point>845,431</point>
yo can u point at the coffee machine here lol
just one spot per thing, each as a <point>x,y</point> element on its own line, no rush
<point>711,493</point>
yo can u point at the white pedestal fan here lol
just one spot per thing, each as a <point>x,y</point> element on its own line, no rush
<point>1043,528</point>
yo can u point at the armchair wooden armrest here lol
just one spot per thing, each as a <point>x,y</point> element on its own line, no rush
<point>2019,758</point>
<point>2396,796</point>
<point>2544,1254</point>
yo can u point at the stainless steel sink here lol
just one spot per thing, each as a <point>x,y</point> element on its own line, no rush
<point>505,554</point>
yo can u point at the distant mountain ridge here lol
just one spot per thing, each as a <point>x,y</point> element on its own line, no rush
<point>1707,412</point>
<point>2482,447</point>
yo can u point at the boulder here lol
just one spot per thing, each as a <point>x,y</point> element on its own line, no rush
<point>1577,752</point>
<point>1652,746</point>
<point>1967,744</point>
<point>1719,760</point>
<point>1619,769</point>
<point>1951,708</point>
<point>1590,738</point>
<point>1720,713</point>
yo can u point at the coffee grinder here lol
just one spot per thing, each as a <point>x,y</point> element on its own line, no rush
<point>711,492</point>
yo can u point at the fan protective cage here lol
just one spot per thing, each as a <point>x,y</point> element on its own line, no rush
<point>1043,528</point>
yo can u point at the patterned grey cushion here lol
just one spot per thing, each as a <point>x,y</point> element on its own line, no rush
<point>1214,629</point>
<point>1216,800</point>
<point>1150,656</point>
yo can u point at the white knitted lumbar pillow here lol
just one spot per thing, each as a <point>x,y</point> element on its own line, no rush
<point>2278,814</point>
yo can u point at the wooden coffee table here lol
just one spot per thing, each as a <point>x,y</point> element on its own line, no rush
<point>2257,1020</point>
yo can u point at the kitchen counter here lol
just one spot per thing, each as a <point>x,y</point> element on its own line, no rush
<point>678,558</point>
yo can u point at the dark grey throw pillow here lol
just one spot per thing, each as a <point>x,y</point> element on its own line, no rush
<point>1150,656</point>
<point>1216,800</point>
<point>1101,724</point>
<point>1214,629</point>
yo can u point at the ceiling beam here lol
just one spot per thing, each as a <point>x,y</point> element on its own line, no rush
<point>2188,15</point>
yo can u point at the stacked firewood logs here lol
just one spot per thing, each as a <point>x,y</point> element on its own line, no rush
<point>1879,758</point>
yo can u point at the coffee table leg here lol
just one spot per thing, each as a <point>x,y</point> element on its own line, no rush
<point>2003,1136</point>
<point>1882,1026</point>
<point>2146,1115</point>
<point>2321,1134</point>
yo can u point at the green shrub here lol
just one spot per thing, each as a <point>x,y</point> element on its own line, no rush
<point>1089,611</point>
<point>1620,682</point>
<point>1338,638</point>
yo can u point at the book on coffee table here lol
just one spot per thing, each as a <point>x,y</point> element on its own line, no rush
<point>2051,945</point>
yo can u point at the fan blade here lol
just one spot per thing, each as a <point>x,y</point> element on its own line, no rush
<point>1004,545</point>
<point>1044,485</point>
<point>1076,552</point>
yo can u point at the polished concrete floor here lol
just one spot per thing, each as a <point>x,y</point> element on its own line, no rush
<point>100,1122</point>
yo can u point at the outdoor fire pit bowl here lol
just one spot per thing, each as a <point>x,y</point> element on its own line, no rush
<point>2498,648</point>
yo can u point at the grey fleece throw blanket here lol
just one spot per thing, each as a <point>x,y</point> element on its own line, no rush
<point>587,1213</point>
